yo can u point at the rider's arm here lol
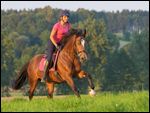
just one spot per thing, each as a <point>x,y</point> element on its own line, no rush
<point>53,32</point>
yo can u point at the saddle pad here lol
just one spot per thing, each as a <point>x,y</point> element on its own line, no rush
<point>43,60</point>
<point>42,63</point>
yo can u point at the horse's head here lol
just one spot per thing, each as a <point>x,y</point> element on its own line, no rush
<point>75,40</point>
<point>80,45</point>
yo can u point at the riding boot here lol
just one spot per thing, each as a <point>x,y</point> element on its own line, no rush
<point>45,71</point>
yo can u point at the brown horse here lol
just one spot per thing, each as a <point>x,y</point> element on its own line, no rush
<point>68,65</point>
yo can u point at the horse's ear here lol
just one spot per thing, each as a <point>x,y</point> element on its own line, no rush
<point>84,32</point>
<point>79,32</point>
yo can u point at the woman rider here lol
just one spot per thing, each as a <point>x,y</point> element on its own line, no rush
<point>58,31</point>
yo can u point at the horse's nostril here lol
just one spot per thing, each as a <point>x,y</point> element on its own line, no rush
<point>83,59</point>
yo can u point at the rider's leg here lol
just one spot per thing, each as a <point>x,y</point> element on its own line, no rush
<point>49,52</point>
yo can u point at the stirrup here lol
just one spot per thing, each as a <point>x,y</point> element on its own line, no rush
<point>43,81</point>
<point>56,73</point>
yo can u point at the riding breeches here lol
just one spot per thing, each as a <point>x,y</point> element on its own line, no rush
<point>50,50</point>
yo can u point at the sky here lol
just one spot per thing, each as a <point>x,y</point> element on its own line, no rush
<point>74,5</point>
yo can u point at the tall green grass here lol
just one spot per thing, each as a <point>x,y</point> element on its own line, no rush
<point>107,102</point>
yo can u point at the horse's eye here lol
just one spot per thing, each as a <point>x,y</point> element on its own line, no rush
<point>78,42</point>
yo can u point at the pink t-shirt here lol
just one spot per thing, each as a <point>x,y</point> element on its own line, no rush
<point>60,31</point>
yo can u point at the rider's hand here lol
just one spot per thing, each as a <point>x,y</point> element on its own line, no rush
<point>57,46</point>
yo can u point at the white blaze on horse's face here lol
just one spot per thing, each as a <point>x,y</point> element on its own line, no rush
<point>83,42</point>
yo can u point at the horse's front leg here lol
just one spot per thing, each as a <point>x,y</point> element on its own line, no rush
<point>83,74</point>
<point>70,82</point>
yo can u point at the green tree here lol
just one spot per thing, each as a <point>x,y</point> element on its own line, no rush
<point>7,64</point>
<point>139,53</point>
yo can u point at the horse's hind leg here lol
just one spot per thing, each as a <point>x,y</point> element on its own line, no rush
<point>33,85</point>
<point>50,87</point>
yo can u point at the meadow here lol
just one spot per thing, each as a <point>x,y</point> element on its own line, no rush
<point>102,102</point>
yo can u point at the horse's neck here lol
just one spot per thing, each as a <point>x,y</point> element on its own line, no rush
<point>68,48</point>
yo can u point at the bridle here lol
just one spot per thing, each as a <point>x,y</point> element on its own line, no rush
<point>82,50</point>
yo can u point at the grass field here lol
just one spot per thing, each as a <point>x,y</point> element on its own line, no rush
<point>108,102</point>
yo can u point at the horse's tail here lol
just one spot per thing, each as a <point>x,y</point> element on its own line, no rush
<point>18,83</point>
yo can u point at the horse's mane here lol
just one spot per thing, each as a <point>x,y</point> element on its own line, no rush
<point>67,37</point>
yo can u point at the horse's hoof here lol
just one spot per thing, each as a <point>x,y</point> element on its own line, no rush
<point>92,93</point>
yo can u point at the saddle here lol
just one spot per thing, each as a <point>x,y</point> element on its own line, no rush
<point>54,61</point>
